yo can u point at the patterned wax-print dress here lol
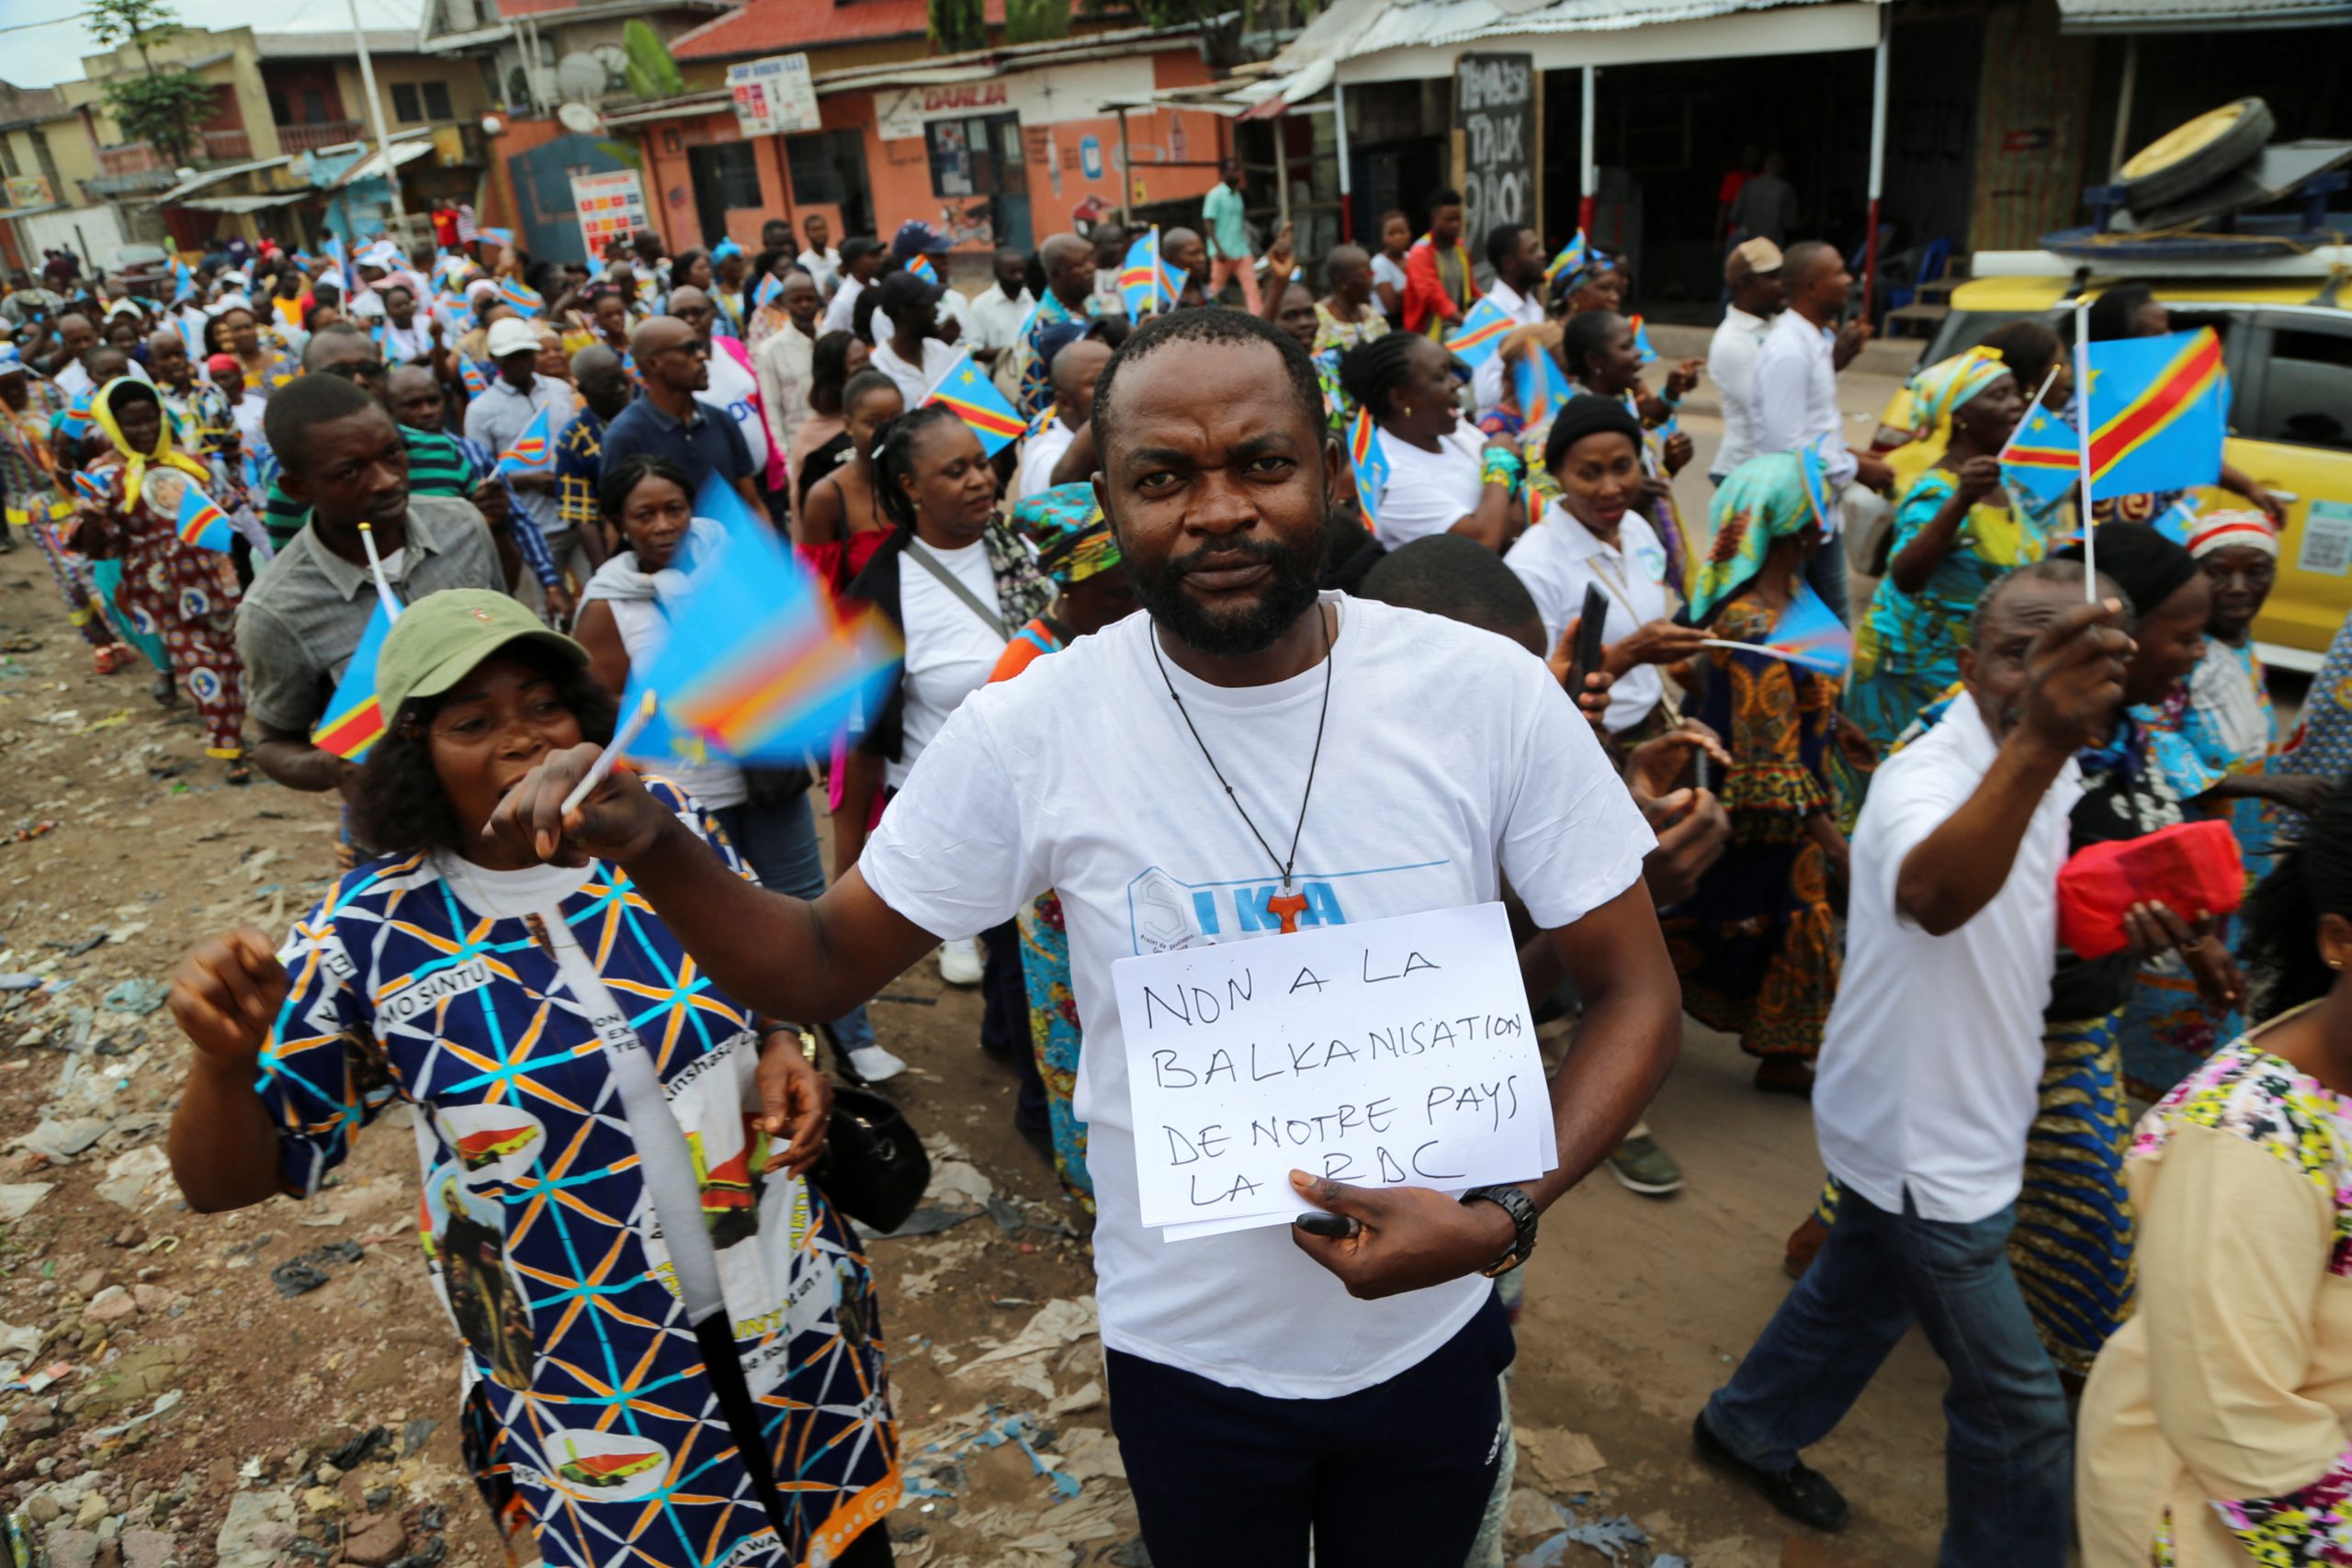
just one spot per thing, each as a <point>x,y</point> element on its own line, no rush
<point>1906,650</point>
<point>2213,1433</point>
<point>589,1418</point>
<point>178,592</point>
<point>2321,744</point>
<point>1757,943</point>
<point>2232,723</point>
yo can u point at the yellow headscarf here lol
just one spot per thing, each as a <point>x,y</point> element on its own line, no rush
<point>134,463</point>
<point>1938,392</point>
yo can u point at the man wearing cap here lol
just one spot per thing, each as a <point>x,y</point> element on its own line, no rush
<point>909,351</point>
<point>861,262</point>
<point>1752,272</point>
<point>497,419</point>
<point>954,315</point>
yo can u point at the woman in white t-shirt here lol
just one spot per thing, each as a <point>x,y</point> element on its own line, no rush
<point>958,585</point>
<point>1442,477</point>
<point>1594,536</point>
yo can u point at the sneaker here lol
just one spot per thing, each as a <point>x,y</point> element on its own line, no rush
<point>959,961</point>
<point>1642,1167</point>
<point>875,1065</point>
<point>1801,1492</point>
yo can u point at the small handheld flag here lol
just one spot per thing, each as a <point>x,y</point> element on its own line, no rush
<point>534,450</point>
<point>771,289</point>
<point>1370,461</point>
<point>2042,456</point>
<point>602,768</point>
<point>1480,334</point>
<point>504,237</point>
<point>2156,409</point>
<point>89,488</point>
<point>1144,287</point>
<point>201,523</point>
<point>1540,387</point>
<point>1642,344</point>
<point>974,398</point>
<point>921,267</point>
<point>476,379</point>
<point>182,280</point>
<point>354,720</point>
<point>523,298</point>
<point>1807,633</point>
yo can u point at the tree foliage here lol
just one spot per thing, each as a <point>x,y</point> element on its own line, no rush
<point>1035,22</point>
<point>651,72</point>
<point>164,106</point>
<point>957,25</point>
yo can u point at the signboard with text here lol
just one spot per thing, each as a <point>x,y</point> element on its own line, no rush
<point>774,96</point>
<point>609,205</point>
<point>1495,115</point>
<point>27,190</point>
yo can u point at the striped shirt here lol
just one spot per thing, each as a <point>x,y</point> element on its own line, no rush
<point>437,465</point>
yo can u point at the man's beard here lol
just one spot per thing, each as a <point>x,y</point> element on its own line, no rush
<point>1282,599</point>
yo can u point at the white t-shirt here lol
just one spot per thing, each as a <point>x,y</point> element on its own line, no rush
<point>1038,456</point>
<point>1559,558</point>
<point>1392,273</point>
<point>1429,492</point>
<point>734,389</point>
<point>950,650</point>
<point>1449,760</point>
<point>914,381</point>
<point>662,1149</point>
<point>843,305</point>
<point>1932,1058</point>
<point>1487,381</point>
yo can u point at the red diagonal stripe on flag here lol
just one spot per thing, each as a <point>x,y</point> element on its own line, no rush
<point>2175,389</point>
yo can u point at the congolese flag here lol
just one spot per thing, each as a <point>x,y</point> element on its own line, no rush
<point>534,450</point>
<point>1809,632</point>
<point>477,381</point>
<point>1480,334</point>
<point>1146,286</point>
<point>770,288</point>
<point>524,298</point>
<point>1370,462</point>
<point>2158,409</point>
<point>1539,385</point>
<point>354,720</point>
<point>973,396</point>
<point>201,523</point>
<point>920,266</point>
<point>2043,456</point>
<point>1571,256</point>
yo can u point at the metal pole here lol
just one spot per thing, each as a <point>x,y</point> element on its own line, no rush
<point>1587,175</point>
<point>1878,164</point>
<point>1280,128</point>
<point>1126,171</point>
<point>1340,131</point>
<point>2123,105</point>
<point>2083,444</point>
<point>375,114</point>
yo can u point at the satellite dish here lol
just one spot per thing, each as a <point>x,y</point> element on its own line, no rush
<point>580,78</point>
<point>579,118</point>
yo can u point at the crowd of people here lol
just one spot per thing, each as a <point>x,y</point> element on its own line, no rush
<point>1326,516</point>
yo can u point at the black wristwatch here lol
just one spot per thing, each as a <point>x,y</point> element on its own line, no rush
<point>1522,1214</point>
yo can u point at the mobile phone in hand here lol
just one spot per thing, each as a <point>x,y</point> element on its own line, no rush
<point>1592,623</point>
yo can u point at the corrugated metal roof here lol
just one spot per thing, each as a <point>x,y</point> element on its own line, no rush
<point>783,27</point>
<point>1348,30</point>
<point>2184,15</point>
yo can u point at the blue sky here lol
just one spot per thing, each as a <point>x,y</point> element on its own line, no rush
<point>42,56</point>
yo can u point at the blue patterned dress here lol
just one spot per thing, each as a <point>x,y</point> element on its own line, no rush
<point>589,1418</point>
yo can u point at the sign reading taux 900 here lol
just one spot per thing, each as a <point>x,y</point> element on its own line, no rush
<point>1390,1053</point>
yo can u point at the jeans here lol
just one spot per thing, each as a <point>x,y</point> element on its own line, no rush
<point>2008,1463</point>
<point>779,843</point>
<point>1395,1475</point>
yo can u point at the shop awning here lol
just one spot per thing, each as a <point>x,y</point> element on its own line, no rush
<point>373,167</point>
<point>1399,40</point>
<point>214,176</point>
<point>240,204</point>
<point>2196,16</point>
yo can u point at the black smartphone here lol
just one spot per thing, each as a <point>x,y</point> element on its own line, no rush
<point>1700,763</point>
<point>1594,621</point>
<point>1337,1227</point>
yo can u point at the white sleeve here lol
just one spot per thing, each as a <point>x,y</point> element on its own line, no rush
<point>951,852</point>
<point>1903,808</point>
<point>1557,587</point>
<point>1572,838</point>
<point>1413,507</point>
<point>1777,403</point>
<point>1487,382</point>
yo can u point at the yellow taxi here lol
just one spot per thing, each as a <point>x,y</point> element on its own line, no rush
<point>2288,343</point>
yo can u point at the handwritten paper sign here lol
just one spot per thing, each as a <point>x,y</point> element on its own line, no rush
<point>1398,1052</point>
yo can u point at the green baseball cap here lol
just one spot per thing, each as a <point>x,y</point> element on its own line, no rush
<point>439,640</point>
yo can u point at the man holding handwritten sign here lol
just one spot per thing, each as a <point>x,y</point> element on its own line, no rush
<point>1342,785</point>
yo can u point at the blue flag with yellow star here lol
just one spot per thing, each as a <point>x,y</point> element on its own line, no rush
<point>972,395</point>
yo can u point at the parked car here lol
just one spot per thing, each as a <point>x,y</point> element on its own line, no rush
<point>2286,341</point>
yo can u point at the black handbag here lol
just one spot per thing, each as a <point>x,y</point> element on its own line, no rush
<point>874,1167</point>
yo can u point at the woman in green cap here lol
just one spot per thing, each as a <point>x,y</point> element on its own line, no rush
<point>663,1317</point>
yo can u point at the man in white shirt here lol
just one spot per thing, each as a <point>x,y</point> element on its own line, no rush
<point>1276,1383</point>
<point>1075,367</point>
<point>820,261</point>
<point>1752,273</point>
<point>1516,253</point>
<point>861,260</point>
<point>1110,243</point>
<point>1931,1068</point>
<point>1795,395</point>
<point>782,363</point>
<point>907,347</point>
<point>1001,307</point>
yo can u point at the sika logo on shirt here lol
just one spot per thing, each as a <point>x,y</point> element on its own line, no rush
<point>1166,912</point>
